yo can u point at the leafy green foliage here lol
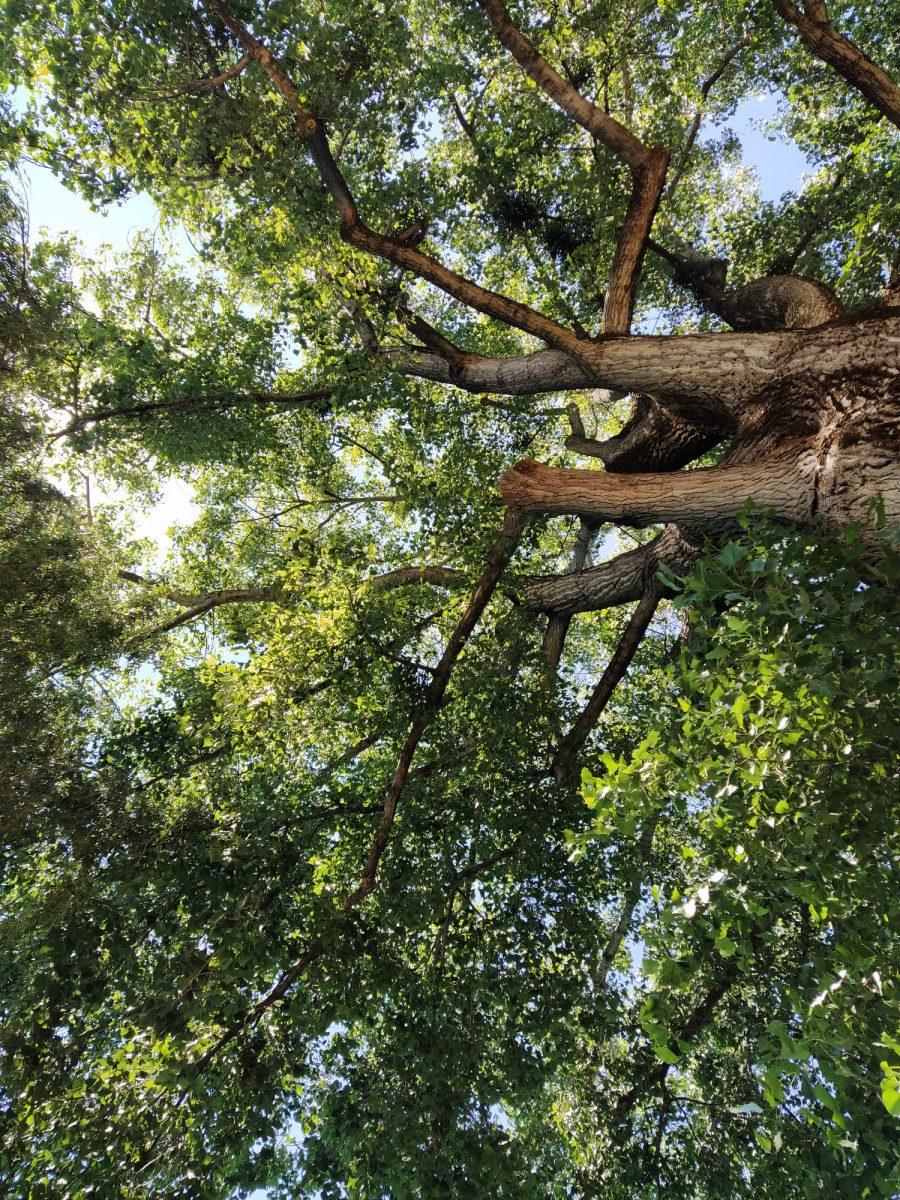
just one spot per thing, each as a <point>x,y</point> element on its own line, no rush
<point>776,789</point>
<point>679,978</point>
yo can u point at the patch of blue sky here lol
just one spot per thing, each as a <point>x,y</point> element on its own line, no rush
<point>779,164</point>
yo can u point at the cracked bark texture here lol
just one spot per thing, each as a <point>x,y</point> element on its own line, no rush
<point>816,440</point>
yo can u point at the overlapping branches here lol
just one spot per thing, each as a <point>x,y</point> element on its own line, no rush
<point>495,563</point>
<point>715,372</point>
<point>647,165</point>
<point>310,128</point>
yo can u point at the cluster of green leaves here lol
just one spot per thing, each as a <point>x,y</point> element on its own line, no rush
<point>189,810</point>
<point>433,119</point>
<point>772,884</point>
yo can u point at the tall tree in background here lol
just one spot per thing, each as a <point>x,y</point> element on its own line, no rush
<point>373,881</point>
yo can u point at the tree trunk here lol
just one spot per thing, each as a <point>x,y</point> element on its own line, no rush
<point>813,420</point>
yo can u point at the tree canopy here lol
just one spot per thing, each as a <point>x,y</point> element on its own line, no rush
<point>394,833</point>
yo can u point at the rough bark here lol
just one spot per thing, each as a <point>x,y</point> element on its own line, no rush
<point>716,374</point>
<point>818,438</point>
<point>824,41</point>
<point>780,302</point>
<point>620,580</point>
<point>706,498</point>
<point>653,439</point>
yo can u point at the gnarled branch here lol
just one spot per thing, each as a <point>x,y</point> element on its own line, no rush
<point>620,580</point>
<point>779,302</point>
<point>653,439</point>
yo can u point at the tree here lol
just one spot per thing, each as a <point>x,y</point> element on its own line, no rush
<point>370,890</point>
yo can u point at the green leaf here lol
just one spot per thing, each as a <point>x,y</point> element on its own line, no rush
<point>666,1055</point>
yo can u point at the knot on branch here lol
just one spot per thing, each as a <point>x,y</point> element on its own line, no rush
<point>780,302</point>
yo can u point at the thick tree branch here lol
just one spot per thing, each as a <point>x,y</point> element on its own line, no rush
<point>703,365</point>
<point>770,303</point>
<point>647,165</point>
<point>707,497</point>
<point>821,37</point>
<point>621,580</point>
<point>647,186</point>
<point>779,302</point>
<point>714,373</point>
<point>604,128</point>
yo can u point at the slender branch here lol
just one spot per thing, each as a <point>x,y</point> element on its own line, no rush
<point>632,896</point>
<point>558,625</point>
<point>609,680</point>
<point>350,755</point>
<point>440,576</point>
<point>202,85</point>
<point>183,403</point>
<point>203,602</point>
<point>495,565</point>
<point>818,219</point>
<point>208,599</point>
<point>217,80</point>
<point>824,41</point>
<point>499,206</point>
<point>700,1017</point>
<point>705,89</point>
